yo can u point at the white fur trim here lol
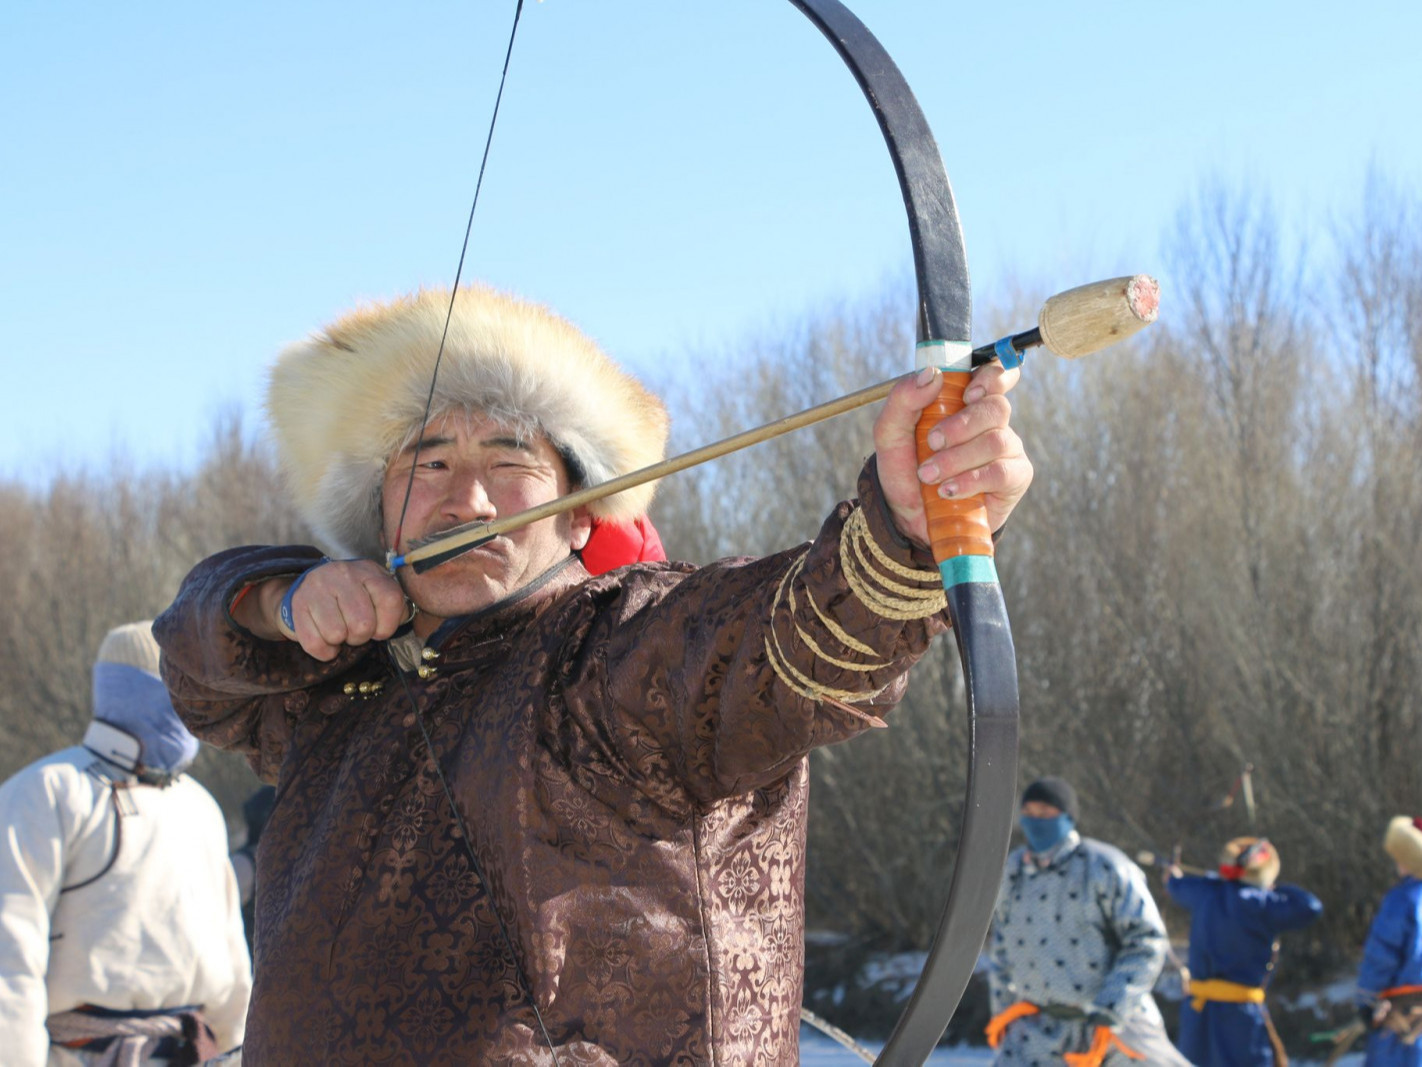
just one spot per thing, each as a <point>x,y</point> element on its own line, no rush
<point>1404,844</point>
<point>342,402</point>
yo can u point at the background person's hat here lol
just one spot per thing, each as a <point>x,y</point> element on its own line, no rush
<point>1253,860</point>
<point>1404,843</point>
<point>1054,791</point>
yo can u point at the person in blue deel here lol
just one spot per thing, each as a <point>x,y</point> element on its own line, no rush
<point>1236,918</point>
<point>1390,980</point>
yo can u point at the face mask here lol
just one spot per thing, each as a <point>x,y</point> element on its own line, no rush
<point>1043,834</point>
<point>137,703</point>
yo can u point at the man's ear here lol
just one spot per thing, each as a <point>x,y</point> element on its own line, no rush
<point>581,529</point>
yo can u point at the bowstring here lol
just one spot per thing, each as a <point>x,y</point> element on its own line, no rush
<point>458,274</point>
<point>399,533</point>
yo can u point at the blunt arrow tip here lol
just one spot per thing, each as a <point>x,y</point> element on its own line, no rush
<point>1143,297</point>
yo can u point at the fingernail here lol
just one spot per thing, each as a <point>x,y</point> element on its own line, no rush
<point>948,489</point>
<point>927,375</point>
<point>928,472</point>
<point>975,392</point>
<point>935,441</point>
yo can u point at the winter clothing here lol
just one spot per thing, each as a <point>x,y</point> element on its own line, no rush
<point>1233,927</point>
<point>1392,959</point>
<point>1076,934</point>
<point>618,544</point>
<point>116,894</point>
<point>1057,792</point>
<point>343,402</point>
<point>129,695</point>
<point>1404,843</point>
<point>108,1039</point>
<point>628,754</point>
<point>1043,835</point>
<point>1252,860</point>
<point>256,810</point>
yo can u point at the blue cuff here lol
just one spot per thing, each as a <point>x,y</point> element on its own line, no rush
<point>287,619</point>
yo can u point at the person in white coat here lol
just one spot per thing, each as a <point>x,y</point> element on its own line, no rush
<point>120,924</point>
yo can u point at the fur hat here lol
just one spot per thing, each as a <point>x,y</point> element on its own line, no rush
<point>1404,843</point>
<point>342,402</point>
<point>1261,861</point>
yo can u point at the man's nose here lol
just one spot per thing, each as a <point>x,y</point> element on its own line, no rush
<point>467,499</point>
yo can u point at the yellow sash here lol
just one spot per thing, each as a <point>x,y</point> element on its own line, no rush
<point>1217,989</point>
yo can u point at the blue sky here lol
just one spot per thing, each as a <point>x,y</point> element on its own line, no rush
<point>186,187</point>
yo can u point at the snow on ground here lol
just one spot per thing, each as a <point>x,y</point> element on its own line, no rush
<point>816,1050</point>
<point>1321,1000</point>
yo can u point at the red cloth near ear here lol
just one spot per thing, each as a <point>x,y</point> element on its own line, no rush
<point>616,544</point>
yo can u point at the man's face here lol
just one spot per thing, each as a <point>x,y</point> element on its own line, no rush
<point>469,468</point>
<point>1040,809</point>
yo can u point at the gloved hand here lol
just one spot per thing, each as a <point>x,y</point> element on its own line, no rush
<point>1099,1016</point>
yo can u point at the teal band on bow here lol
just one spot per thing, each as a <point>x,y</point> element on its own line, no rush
<point>954,356</point>
<point>961,569</point>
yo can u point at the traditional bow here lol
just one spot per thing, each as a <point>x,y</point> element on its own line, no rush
<point>961,543</point>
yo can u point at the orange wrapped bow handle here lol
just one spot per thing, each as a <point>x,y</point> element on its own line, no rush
<point>957,526</point>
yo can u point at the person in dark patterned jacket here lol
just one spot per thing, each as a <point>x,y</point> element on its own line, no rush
<point>547,810</point>
<point>1076,945</point>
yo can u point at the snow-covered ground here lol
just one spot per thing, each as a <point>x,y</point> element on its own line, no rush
<point>816,1050</point>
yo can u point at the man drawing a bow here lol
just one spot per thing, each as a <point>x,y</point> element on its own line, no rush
<point>555,815</point>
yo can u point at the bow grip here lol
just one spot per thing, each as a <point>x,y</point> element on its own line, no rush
<point>957,526</point>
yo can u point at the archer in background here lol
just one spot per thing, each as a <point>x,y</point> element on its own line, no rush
<point>557,811</point>
<point>1235,921</point>
<point>1076,946</point>
<point>1390,979</point>
<point>120,930</point>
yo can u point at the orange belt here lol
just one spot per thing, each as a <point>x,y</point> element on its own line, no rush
<point>999,1023</point>
<point>1399,991</point>
<point>1102,1042</point>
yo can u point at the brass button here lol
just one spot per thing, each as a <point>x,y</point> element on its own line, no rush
<point>364,688</point>
<point>349,689</point>
<point>426,671</point>
<point>428,654</point>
